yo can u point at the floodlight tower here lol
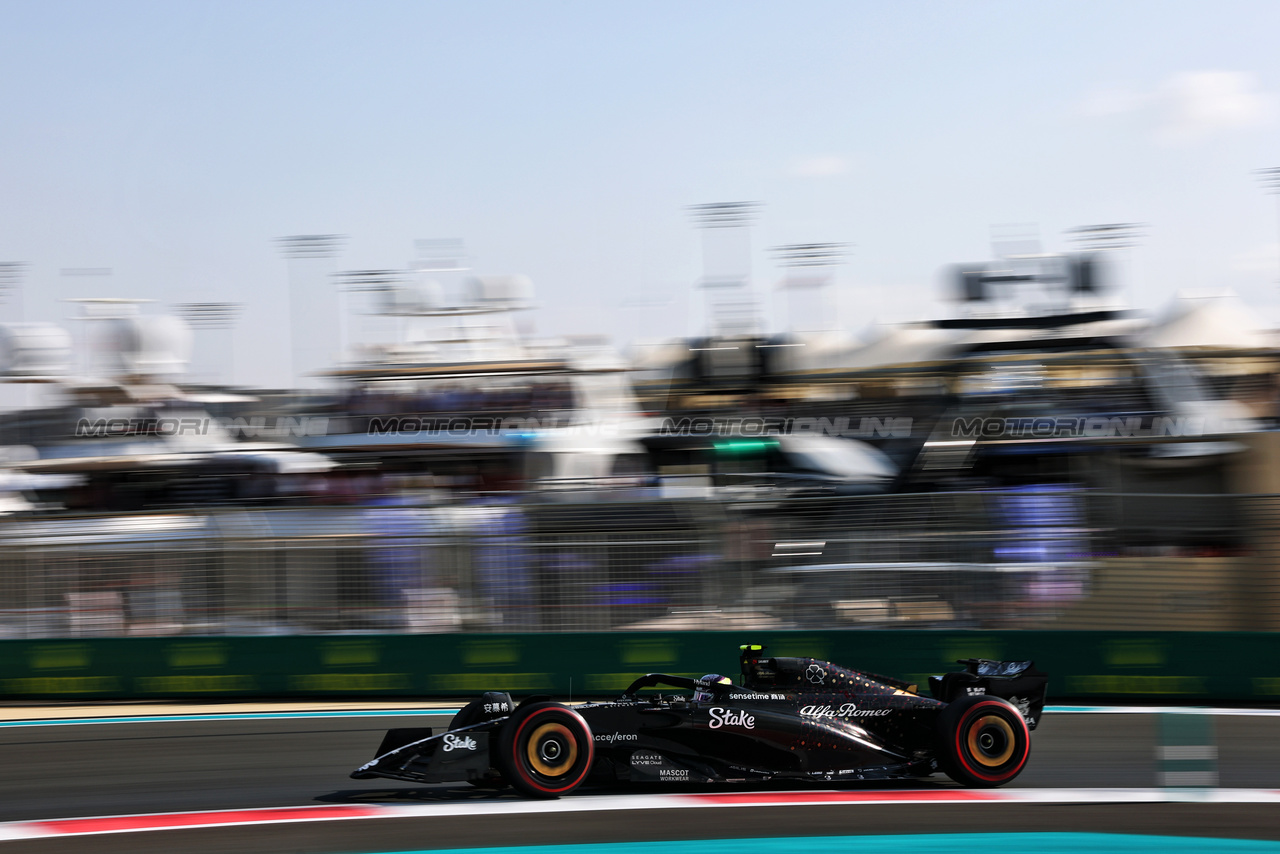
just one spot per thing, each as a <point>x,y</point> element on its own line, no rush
<point>382,283</point>
<point>12,276</point>
<point>210,318</point>
<point>732,307</point>
<point>1097,241</point>
<point>1111,235</point>
<point>441,255</point>
<point>89,306</point>
<point>369,281</point>
<point>809,268</point>
<point>312,312</point>
<point>1270,180</point>
<point>438,270</point>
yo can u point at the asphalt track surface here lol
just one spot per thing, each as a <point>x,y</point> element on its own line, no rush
<point>51,772</point>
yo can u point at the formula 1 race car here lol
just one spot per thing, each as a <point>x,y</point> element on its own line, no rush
<point>790,719</point>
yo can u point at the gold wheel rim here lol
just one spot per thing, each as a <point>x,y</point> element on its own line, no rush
<point>982,740</point>
<point>551,756</point>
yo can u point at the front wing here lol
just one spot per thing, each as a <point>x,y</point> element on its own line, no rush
<point>414,754</point>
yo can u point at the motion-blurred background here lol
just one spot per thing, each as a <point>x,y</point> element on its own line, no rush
<point>808,318</point>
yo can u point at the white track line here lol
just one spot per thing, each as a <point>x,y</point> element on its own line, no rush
<point>393,713</point>
<point>848,798</point>
<point>845,797</point>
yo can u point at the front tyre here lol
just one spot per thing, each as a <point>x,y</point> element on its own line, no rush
<point>984,741</point>
<point>545,750</point>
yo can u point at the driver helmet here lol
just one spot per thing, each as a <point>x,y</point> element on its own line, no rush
<point>705,691</point>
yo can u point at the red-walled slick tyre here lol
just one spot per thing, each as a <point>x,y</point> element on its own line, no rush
<point>983,741</point>
<point>545,750</point>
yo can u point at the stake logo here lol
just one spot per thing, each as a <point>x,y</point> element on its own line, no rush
<point>729,717</point>
<point>452,742</point>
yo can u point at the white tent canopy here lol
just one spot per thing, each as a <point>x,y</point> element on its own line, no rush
<point>1222,322</point>
<point>904,345</point>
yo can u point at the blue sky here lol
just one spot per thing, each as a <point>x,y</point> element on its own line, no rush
<point>172,142</point>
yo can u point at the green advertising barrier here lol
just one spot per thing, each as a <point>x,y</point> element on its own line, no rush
<point>1185,667</point>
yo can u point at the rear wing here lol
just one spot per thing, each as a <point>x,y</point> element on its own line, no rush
<point>1016,681</point>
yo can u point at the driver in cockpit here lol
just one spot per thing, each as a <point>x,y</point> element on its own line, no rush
<point>709,686</point>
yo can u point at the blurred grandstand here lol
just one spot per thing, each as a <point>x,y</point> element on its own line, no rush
<point>1061,464</point>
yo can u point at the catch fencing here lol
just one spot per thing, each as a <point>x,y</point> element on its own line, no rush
<point>1044,557</point>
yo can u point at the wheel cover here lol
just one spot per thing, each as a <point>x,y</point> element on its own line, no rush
<point>552,749</point>
<point>990,740</point>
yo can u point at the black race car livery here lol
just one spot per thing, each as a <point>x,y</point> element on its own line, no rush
<point>789,719</point>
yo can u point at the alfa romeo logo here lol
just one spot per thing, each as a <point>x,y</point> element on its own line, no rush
<point>815,674</point>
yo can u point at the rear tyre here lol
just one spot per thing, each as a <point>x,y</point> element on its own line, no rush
<point>983,741</point>
<point>545,750</point>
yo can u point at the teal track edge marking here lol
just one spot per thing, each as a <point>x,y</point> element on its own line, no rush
<point>952,843</point>
<point>238,716</point>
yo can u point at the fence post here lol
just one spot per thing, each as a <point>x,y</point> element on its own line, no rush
<point>1187,754</point>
